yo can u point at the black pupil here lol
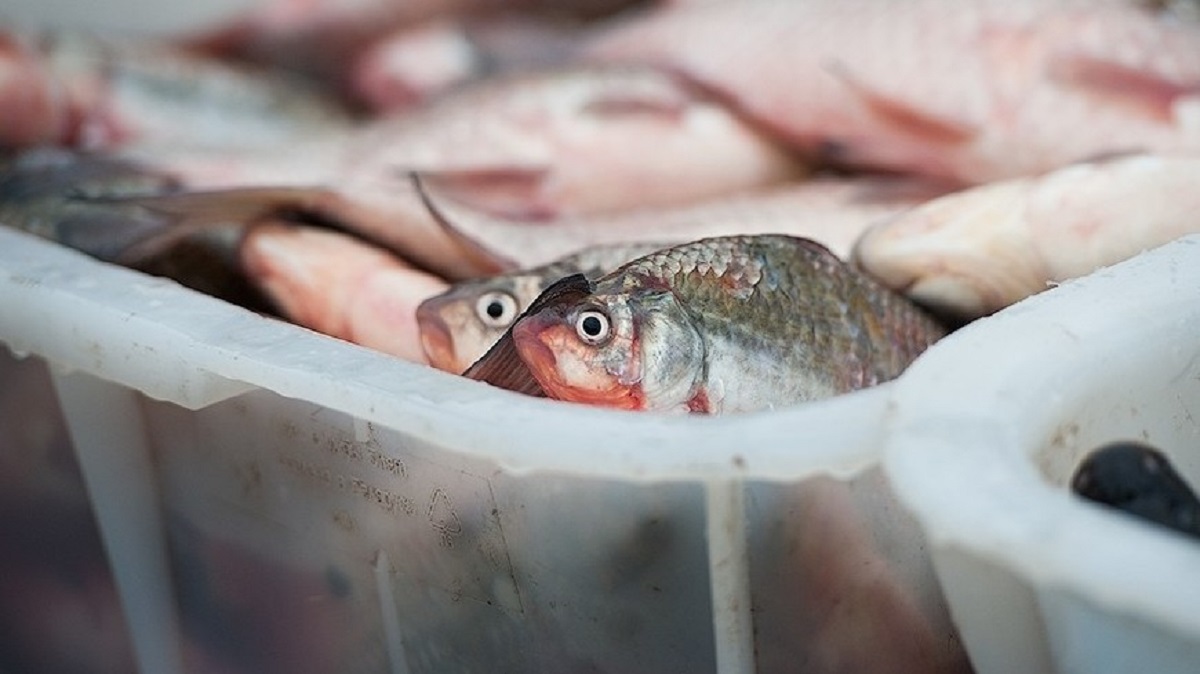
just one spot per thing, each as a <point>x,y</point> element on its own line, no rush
<point>495,309</point>
<point>592,326</point>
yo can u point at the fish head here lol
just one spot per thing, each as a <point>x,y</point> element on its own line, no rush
<point>459,326</point>
<point>965,254</point>
<point>635,351</point>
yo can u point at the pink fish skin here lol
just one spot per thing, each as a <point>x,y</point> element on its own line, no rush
<point>101,93</point>
<point>557,144</point>
<point>979,250</point>
<point>417,63</point>
<point>831,210</point>
<point>323,36</point>
<point>33,112</point>
<point>412,65</point>
<point>972,91</point>
<point>337,285</point>
<point>572,141</point>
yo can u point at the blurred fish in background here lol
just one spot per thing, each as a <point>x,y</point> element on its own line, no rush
<point>414,177</point>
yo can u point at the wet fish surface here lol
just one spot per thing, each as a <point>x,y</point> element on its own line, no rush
<point>727,324</point>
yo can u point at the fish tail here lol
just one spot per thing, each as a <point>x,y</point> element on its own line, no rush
<point>184,214</point>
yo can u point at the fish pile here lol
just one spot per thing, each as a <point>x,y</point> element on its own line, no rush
<point>624,203</point>
<point>671,206</point>
<point>718,325</point>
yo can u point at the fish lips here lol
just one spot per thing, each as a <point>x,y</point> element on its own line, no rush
<point>437,342</point>
<point>532,337</point>
<point>541,339</point>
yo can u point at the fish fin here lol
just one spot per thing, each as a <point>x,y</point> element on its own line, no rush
<point>571,288</point>
<point>506,191</point>
<point>502,365</point>
<point>487,260</point>
<point>190,212</point>
<point>1151,93</point>
<point>902,116</point>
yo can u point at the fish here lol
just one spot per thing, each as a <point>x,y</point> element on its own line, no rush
<point>716,326</point>
<point>979,91</point>
<point>569,141</point>
<point>834,211</point>
<point>55,194</point>
<point>459,325</point>
<point>89,92</point>
<point>418,63</point>
<point>89,203</point>
<point>973,252</point>
<point>852,579</point>
<point>338,285</point>
<point>539,146</point>
<point>321,37</point>
<point>1139,480</point>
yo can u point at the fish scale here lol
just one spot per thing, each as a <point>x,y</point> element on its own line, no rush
<point>734,299</point>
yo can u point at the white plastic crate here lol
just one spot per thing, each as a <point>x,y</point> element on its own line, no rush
<point>986,434</point>
<point>275,500</point>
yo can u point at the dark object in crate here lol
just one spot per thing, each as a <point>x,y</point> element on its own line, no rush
<point>1139,480</point>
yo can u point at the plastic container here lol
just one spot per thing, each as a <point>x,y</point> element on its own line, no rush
<point>59,609</point>
<point>275,500</point>
<point>988,430</point>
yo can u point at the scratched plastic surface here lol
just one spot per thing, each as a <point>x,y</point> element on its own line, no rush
<point>988,431</point>
<point>274,500</point>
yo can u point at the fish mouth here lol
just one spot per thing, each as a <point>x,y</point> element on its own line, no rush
<point>536,339</point>
<point>436,341</point>
<point>528,338</point>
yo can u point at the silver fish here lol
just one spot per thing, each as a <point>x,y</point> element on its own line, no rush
<point>727,324</point>
<point>461,324</point>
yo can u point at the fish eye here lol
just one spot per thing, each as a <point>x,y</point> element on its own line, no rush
<point>496,309</point>
<point>593,327</point>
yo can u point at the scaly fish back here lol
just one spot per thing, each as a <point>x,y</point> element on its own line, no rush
<point>790,297</point>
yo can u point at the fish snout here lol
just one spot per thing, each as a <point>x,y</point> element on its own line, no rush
<point>531,340</point>
<point>923,274</point>
<point>436,340</point>
<point>966,254</point>
<point>568,370</point>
